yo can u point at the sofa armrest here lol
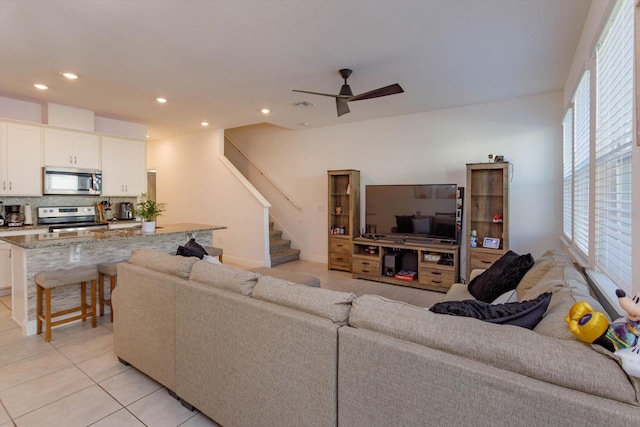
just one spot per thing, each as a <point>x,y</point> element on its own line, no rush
<point>475,273</point>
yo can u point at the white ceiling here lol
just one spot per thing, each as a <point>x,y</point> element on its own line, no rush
<point>222,61</point>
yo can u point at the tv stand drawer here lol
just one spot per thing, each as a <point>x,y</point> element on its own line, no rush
<point>340,246</point>
<point>366,267</point>
<point>436,277</point>
<point>483,260</point>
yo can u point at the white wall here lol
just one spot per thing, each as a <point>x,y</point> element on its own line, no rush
<point>431,147</point>
<point>198,188</point>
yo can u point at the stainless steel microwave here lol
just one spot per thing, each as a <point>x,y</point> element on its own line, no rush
<point>72,181</point>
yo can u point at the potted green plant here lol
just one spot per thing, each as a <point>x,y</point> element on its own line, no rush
<point>149,210</point>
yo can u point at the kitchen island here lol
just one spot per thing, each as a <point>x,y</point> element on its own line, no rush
<point>34,253</point>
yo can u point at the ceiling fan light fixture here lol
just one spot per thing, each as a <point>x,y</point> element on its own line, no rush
<point>346,95</point>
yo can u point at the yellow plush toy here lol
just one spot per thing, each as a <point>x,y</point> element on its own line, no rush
<point>588,325</point>
<point>621,337</point>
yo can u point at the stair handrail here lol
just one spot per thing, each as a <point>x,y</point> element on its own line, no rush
<point>271,180</point>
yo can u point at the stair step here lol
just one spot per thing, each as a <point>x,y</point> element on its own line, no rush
<point>275,234</point>
<point>270,225</point>
<point>279,245</point>
<point>283,256</point>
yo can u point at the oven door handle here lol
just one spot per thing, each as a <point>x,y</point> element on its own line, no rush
<point>94,182</point>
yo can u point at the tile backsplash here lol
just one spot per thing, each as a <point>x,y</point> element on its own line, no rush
<point>37,202</point>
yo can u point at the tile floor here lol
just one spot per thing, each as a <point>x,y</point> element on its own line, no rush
<point>76,379</point>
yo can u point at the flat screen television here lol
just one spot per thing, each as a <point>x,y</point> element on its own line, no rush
<point>426,211</point>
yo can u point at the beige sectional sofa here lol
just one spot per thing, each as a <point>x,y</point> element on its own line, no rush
<point>254,350</point>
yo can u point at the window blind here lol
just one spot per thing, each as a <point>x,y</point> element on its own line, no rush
<point>567,175</point>
<point>582,120</point>
<point>614,100</point>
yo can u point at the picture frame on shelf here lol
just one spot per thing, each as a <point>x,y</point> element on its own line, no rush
<point>491,243</point>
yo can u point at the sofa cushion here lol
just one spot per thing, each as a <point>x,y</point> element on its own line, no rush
<point>162,262</point>
<point>457,292</point>
<point>507,347</point>
<point>503,275</point>
<point>509,296</point>
<point>326,303</point>
<point>526,314</point>
<point>552,324</point>
<point>540,268</point>
<point>289,276</point>
<point>223,277</point>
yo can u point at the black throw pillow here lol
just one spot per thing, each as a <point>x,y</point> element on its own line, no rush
<point>525,314</point>
<point>191,248</point>
<point>504,275</point>
<point>404,223</point>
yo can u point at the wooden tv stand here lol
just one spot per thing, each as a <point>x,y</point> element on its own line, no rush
<point>438,263</point>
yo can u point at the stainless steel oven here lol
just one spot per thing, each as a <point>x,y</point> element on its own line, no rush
<point>72,181</point>
<point>69,218</point>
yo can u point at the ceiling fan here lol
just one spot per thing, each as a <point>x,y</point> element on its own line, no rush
<point>346,95</point>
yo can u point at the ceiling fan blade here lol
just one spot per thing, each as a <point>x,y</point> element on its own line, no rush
<point>322,94</point>
<point>376,93</point>
<point>342,106</point>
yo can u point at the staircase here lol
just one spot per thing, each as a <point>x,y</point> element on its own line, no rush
<point>280,249</point>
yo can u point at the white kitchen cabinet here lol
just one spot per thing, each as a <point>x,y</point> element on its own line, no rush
<point>124,170</point>
<point>5,268</point>
<point>71,149</point>
<point>20,160</point>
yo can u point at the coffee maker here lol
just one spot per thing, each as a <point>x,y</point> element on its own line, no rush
<point>13,216</point>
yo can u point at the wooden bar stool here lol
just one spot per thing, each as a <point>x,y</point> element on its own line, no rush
<point>211,251</point>
<point>107,269</point>
<point>48,280</point>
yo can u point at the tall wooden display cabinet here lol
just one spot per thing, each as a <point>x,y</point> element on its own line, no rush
<point>487,205</point>
<point>344,216</point>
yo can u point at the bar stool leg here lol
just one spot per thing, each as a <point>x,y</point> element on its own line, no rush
<point>47,314</point>
<point>38,309</point>
<point>83,300</point>
<point>94,318</point>
<point>101,291</point>
<point>112,286</point>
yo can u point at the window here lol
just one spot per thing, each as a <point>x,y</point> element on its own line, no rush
<point>576,144</point>
<point>567,176</point>
<point>597,168</point>
<point>614,103</point>
<point>582,143</point>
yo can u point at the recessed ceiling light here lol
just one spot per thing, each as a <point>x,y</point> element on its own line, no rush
<point>147,135</point>
<point>41,86</point>
<point>265,111</point>
<point>70,76</point>
<point>204,123</point>
<point>161,100</point>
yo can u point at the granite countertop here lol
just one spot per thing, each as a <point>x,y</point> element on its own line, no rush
<point>6,230</point>
<point>45,240</point>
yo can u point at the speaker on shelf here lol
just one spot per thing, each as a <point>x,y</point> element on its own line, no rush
<point>392,263</point>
